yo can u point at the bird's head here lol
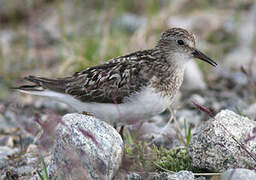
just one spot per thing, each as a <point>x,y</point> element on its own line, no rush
<point>178,45</point>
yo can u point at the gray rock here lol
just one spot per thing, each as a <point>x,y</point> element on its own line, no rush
<point>181,175</point>
<point>7,151</point>
<point>191,117</point>
<point>231,101</point>
<point>86,148</point>
<point>161,135</point>
<point>238,174</point>
<point>198,99</point>
<point>133,176</point>
<point>239,78</point>
<point>233,59</point>
<point>213,147</point>
<point>24,170</point>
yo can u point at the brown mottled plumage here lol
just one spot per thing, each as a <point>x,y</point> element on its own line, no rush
<point>128,81</point>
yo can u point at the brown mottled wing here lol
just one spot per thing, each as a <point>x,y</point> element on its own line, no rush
<point>111,82</point>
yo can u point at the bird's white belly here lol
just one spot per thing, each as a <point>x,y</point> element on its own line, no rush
<point>138,107</point>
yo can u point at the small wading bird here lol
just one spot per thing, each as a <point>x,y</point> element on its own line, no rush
<point>128,88</point>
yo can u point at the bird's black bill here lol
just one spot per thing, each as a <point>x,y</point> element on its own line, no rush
<point>199,55</point>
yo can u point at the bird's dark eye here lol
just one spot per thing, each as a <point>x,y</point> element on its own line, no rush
<point>180,42</point>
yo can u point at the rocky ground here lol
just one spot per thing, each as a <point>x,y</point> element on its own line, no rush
<point>208,132</point>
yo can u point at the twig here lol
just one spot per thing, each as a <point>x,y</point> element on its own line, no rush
<point>207,174</point>
<point>172,172</point>
<point>240,144</point>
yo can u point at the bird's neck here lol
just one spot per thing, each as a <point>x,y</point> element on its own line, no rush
<point>168,80</point>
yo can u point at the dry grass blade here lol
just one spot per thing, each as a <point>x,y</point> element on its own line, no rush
<point>201,108</point>
<point>179,131</point>
<point>172,172</point>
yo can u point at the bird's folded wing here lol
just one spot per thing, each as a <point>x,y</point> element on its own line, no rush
<point>107,83</point>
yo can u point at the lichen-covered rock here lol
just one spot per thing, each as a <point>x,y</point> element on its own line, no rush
<point>238,174</point>
<point>85,148</point>
<point>213,146</point>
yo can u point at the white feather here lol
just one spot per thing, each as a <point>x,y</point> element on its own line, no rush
<point>138,107</point>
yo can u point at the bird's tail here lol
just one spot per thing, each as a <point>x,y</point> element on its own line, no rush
<point>40,85</point>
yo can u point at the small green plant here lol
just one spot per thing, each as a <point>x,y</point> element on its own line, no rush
<point>187,133</point>
<point>128,137</point>
<point>43,176</point>
<point>175,159</point>
<point>140,155</point>
<point>145,157</point>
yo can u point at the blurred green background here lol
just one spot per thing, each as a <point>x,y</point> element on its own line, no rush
<point>56,38</point>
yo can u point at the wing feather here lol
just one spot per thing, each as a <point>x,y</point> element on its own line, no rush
<point>109,83</point>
